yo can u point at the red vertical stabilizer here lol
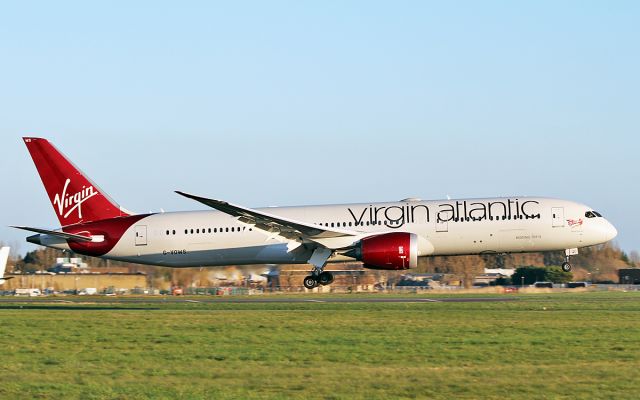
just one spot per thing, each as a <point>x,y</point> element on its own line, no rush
<point>74,197</point>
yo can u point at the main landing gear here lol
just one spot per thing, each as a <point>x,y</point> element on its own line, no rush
<point>318,278</point>
<point>566,267</point>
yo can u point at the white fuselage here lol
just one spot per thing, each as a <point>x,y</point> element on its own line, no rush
<point>444,227</point>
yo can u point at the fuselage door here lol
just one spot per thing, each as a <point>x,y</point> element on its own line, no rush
<point>557,216</point>
<point>141,235</point>
<point>442,221</point>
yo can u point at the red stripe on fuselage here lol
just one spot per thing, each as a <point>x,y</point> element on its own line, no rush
<point>112,230</point>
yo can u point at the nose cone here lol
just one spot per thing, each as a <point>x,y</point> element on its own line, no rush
<point>609,231</point>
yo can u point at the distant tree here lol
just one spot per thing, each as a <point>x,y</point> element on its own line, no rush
<point>555,274</point>
<point>625,258</point>
<point>534,274</point>
<point>635,258</point>
<point>553,258</point>
<point>503,281</point>
<point>530,273</point>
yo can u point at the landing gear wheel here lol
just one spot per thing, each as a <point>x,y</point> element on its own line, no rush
<point>325,278</point>
<point>566,267</point>
<point>310,282</point>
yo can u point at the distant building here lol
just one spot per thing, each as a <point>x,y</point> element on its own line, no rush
<point>108,283</point>
<point>629,276</point>
<point>502,271</point>
<point>68,265</point>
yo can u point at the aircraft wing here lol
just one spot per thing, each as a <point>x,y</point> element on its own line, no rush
<point>64,235</point>
<point>288,228</point>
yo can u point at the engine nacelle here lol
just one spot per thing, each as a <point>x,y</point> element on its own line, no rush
<point>390,251</point>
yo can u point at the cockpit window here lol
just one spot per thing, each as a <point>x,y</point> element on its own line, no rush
<point>592,214</point>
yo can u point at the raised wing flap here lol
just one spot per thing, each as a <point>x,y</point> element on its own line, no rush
<point>288,228</point>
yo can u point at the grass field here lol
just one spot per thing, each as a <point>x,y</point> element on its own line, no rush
<point>561,346</point>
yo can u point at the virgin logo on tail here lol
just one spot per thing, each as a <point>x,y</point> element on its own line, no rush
<point>67,203</point>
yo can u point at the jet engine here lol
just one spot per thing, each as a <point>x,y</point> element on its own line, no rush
<point>390,251</point>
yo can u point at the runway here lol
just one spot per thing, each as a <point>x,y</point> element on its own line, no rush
<point>83,300</point>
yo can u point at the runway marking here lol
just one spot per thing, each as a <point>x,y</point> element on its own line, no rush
<point>315,301</point>
<point>192,301</point>
<point>430,300</point>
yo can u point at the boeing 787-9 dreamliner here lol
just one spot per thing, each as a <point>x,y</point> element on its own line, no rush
<point>387,236</point>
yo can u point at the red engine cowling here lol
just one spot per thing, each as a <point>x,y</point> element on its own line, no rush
<point>391,251</point>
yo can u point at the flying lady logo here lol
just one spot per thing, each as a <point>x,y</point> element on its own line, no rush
<point>67,203</point>
<point>575,222</point>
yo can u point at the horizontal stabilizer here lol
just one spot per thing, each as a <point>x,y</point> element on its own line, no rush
<point>63,235</point>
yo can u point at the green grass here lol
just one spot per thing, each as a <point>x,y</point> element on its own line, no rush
<point>564,346</point>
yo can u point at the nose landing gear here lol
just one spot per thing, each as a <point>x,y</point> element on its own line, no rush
<point>566,266</point>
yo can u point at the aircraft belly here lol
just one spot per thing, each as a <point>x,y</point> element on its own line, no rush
<point>514,238</point>
<point>202,256</point>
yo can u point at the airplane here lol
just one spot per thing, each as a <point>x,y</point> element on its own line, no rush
<point>4,256</point>
<point>387,236</point>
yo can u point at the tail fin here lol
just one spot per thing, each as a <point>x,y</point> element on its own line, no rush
<point>74,197</point>
<point>4,256</point>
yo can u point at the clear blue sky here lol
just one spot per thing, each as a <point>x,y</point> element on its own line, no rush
<point>283,103</point>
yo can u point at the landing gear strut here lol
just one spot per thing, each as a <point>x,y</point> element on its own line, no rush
<point>318,276</point>
<point>566,267</point>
